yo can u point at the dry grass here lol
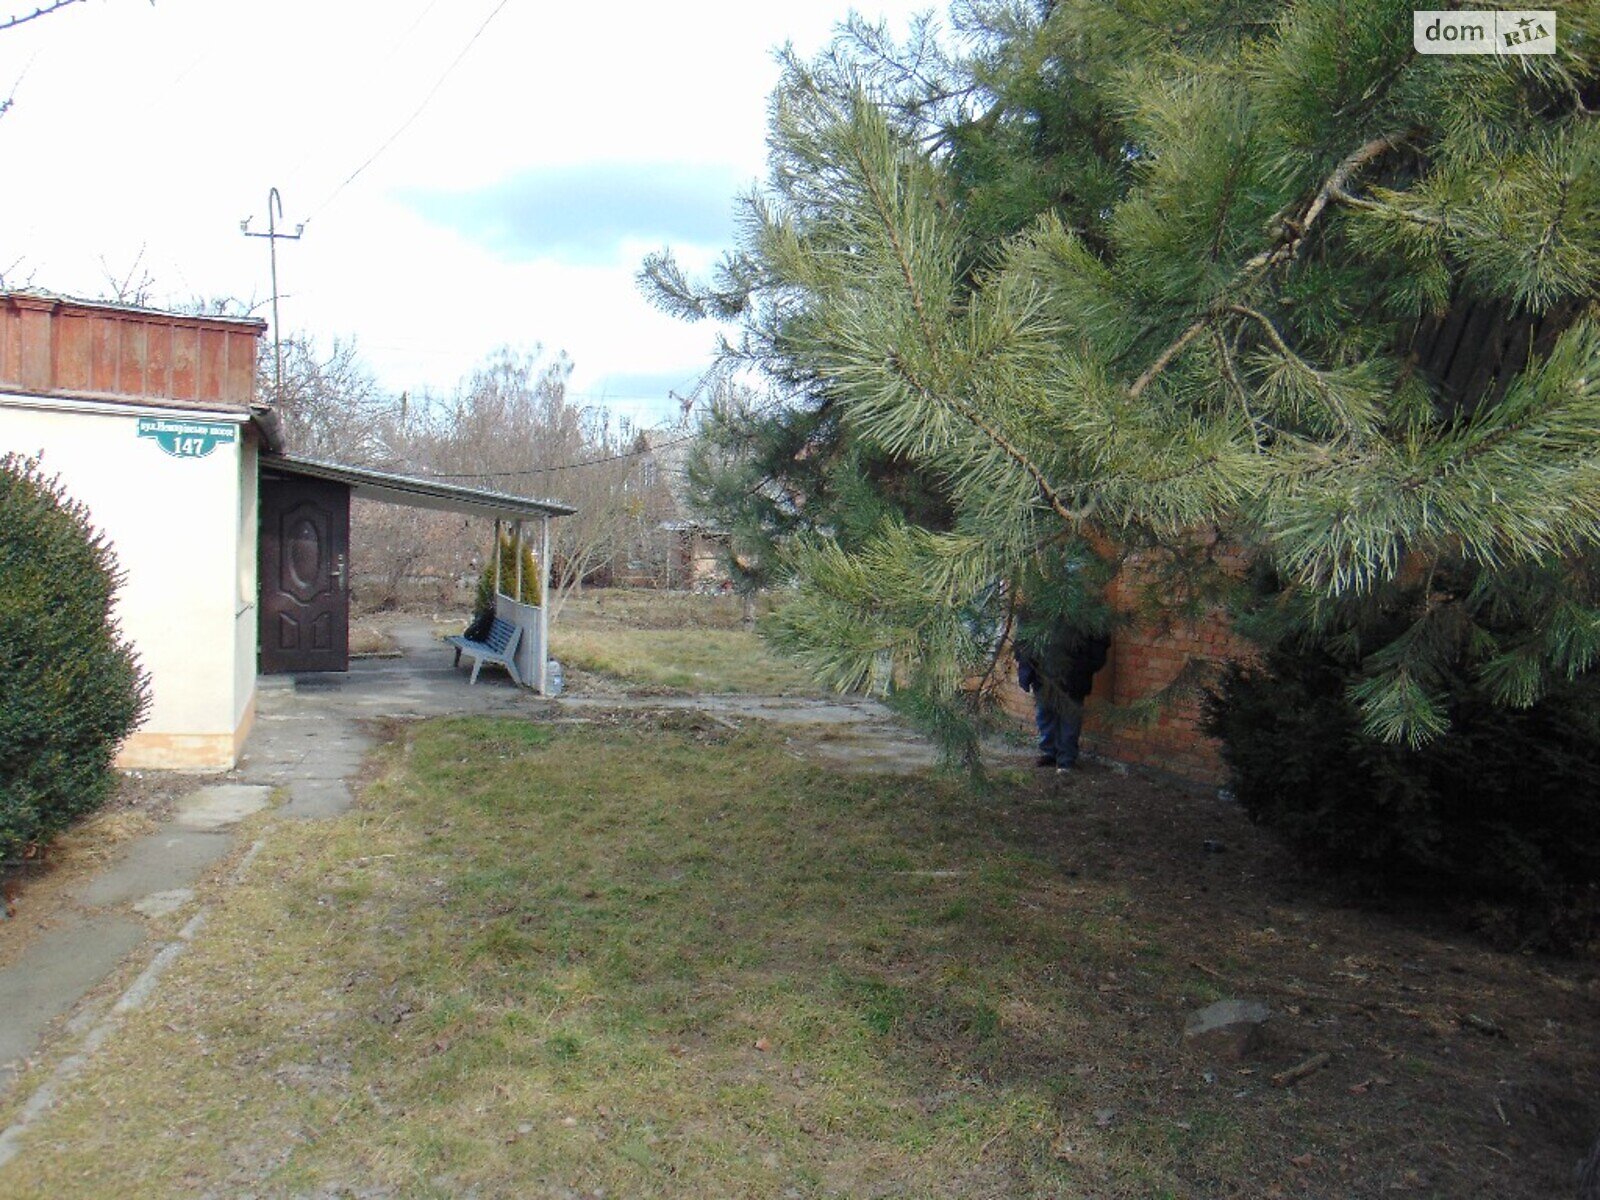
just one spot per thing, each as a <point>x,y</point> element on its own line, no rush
<point>695,660</point>
<point>369,639</point>
<point>652,957</point>
<point>678,641</point>
<point>644,608</point>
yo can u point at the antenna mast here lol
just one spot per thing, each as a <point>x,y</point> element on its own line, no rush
<point>274,211</point>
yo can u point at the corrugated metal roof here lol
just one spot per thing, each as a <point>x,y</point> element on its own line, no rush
<point>415,492</point>
<point>116,306</point>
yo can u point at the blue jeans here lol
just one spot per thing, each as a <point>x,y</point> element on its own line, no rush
<point>1058,730</point>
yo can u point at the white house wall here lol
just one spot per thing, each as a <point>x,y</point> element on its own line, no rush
<point>183,529</point>
<point>246,619</point>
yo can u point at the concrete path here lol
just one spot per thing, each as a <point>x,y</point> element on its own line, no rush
<point>151,877</point>
<point>306,747</point>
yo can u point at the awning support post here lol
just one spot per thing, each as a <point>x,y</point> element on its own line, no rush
<point>516,536</point>
<point>497,556</point>
<point>543,668</point>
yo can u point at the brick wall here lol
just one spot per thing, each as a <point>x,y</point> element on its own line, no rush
<point>1142,661</point>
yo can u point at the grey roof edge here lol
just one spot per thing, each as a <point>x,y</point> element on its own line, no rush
<point>421,488</point>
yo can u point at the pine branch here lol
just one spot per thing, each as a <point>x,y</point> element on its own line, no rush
<point>1005,446</point>
<point>1286,247</point>
<point>1230,372</point>
<point>1335,185</point>
<point>931,340</point>
<point>1171,352</point>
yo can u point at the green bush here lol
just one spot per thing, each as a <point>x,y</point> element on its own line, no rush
<point>484,600</point>
<point>1500,814</point>
<point>70,688</point>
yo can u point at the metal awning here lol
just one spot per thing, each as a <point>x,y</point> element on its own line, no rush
<point>385,486</point>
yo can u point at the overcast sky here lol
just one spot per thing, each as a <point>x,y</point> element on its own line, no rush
<point>567,142</point>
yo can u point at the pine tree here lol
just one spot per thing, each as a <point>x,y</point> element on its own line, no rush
<point>1168,276</point>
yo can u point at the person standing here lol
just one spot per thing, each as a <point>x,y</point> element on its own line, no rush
<point>1060,674</point>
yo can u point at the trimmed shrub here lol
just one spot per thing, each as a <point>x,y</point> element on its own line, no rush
<point>70,688</point>
<point>1501,813</point>
<point>484,600</point>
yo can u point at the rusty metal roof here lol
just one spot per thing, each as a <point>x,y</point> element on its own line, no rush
<point>132,310</point>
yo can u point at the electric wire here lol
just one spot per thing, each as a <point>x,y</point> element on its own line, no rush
<point>771,403</point>
<point>588,462</point>
<point>417,112</point>
<point>394,49</point>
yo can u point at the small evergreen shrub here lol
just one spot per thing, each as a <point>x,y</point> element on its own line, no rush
<point>70,688</point>
<point>484,600</point>
<point>1502,812</point>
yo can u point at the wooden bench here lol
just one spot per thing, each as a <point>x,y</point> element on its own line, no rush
<point>500,647</point>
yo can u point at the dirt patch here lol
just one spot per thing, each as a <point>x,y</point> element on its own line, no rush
<point>1482,1058</point>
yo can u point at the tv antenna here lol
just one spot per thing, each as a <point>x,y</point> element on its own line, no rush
<point>274,212</point>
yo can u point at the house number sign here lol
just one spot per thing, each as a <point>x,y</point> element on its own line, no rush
<point>187,439</point>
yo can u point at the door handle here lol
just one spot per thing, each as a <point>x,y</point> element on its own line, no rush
<point>338,571</point>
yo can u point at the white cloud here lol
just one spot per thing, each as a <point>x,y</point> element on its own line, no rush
<point>161,127</point>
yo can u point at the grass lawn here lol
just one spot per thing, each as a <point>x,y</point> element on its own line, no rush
<point>672,641</point>
<point>650,956</point>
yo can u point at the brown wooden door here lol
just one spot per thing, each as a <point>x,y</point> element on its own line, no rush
<point>305,597</point>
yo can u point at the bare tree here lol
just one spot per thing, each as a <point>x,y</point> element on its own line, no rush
<point>512,428</point>
<point>332,407</point>
<point>509,427</point>
<point>22,18</point>
<point>134,286</point>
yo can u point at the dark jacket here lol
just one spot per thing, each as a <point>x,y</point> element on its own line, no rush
<point>1064,665</point>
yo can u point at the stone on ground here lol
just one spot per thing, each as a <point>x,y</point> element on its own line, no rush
<point>1228,1029</point>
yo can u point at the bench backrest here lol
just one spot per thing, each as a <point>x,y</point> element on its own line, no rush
<point>501,635</point>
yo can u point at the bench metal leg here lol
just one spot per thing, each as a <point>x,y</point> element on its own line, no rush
<point>477,665</point>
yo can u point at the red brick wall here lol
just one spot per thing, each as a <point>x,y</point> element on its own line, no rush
<point>1144,660</point>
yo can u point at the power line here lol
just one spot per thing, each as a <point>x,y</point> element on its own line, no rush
<point>770,404</point>
<point>589,462</point>
<point>394,49</point>
<point>417,112</point>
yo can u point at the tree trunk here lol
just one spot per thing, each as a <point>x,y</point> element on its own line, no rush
<point>748,619</point>
<point>1589,1174</point>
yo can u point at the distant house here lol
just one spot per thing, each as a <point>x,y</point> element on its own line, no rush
<point>236,554</point>
<point>663,548</point>
<point>699,554</point>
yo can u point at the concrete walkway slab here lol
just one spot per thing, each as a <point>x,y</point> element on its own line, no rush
<point>171,857</point>
<point>53,974</point>
<point>220,806</point>
<point>163,904</point>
